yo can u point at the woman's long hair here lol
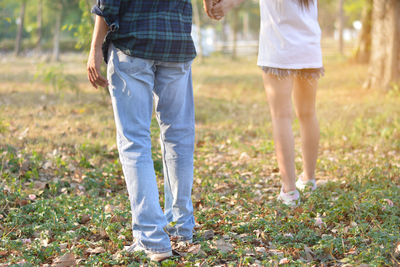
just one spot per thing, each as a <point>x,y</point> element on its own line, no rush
<point>306,3</point>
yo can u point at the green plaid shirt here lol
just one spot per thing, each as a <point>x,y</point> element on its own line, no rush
<point>150,29</point>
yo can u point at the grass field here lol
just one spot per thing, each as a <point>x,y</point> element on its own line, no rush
<point>63,201</point>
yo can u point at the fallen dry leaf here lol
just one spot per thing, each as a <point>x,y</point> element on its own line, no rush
<point>117,218</point>
<point>319,222</point>
<point>264,238</point>
<point>44,242</point>
<point>23,134</point>
<point>179,253</point>
<point>103,234</point>
<point>109,208</point>
<point>65,260</point>
<point>397,251</point>
<point>249,252</point>
<point>309,253</point>
<point>223,246</point>
<point>84,219</point>
<point>321,183</point>
<point>261,250</point>
<point>352,251</point>
<point>97,250</point>
<point>196,250</point>
<point>276,252</point>
<point>284,261</point>
<point>244,157</point>
<point>39,185</point>
<point>389,202</point>
<point>22,202</point>
<point>208,234</point>
<point>47,165</point>
<point>26,241</point>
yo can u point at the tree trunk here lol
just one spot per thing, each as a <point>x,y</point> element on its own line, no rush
<point>385,52</point>
<point>363,49</point>
<point>246,26</point>
<point>56,40</point>
<point>224,35</point>
<point>341,26</point>
<point>235,18</point>
<point>39,21</point>
<point>197,22</point>
<point>20,21</point>
<point>395,47</point>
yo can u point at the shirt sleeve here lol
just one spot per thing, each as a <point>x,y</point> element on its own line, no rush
<point>109,10</point>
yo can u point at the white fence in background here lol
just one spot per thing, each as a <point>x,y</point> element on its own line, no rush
<point>212,43</point>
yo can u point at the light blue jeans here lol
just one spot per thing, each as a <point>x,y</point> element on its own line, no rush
<point>134,83</point>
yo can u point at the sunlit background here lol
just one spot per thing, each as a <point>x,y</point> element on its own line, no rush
<point>35,27</point>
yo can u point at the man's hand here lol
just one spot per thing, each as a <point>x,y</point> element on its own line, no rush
<point>220,9</point>
<point>93,68</point>
<point>208,5</point>
<point>96,54</point>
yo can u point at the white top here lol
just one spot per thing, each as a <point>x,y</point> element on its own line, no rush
<point>289,35</point>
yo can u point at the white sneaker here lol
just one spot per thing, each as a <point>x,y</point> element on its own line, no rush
<point>302,185</point>
<point>291,199</point>
<point>154,256</point>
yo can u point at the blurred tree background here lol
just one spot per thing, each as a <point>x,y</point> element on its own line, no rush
<point>30,27</point>
<point>40,21</point>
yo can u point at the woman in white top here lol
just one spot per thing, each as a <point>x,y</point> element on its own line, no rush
<point>290,56</point>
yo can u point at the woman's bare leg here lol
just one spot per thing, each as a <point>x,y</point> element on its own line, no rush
<point>304,100</point>
<point>279,93</point>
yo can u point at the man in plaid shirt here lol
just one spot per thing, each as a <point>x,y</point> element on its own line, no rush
<point>148,49</point>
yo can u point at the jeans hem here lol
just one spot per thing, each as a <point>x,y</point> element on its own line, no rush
<point>152,250</point>
<point>158,251</point>
<point>179,237</point>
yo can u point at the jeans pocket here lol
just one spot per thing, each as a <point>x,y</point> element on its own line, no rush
<point>130,64</point>
<point>118,84</point>
<point>178,68</point>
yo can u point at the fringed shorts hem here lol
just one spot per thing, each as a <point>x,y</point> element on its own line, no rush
<point>302,73</point>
